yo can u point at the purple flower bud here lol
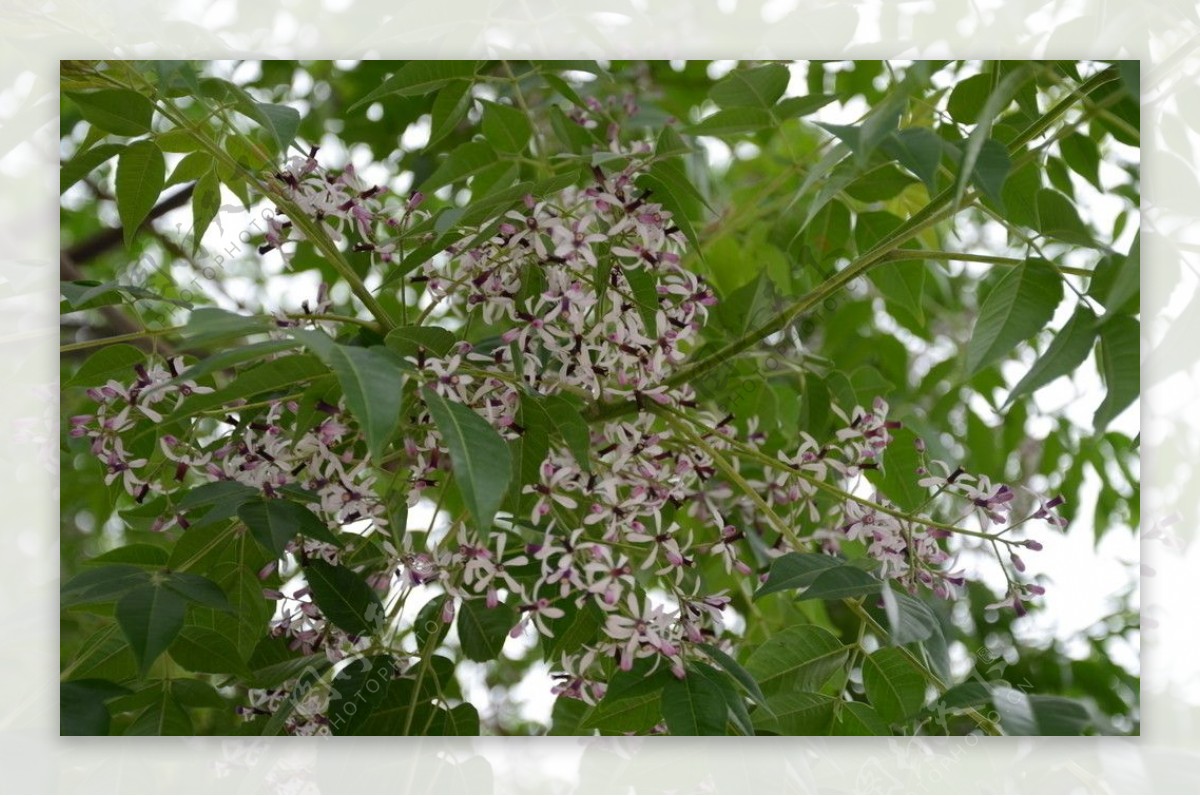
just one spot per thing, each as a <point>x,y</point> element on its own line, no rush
<point>1033,545</point>
<point>920,444</point>
<point>1017,562</point>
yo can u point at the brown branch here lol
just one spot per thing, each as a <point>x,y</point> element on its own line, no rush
<point>88,250</point>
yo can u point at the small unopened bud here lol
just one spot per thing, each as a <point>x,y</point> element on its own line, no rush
<point>1033,545</point>
<point>919,443</point>
<point>1017,562</point>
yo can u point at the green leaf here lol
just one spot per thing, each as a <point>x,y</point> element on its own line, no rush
<point>797,713</point>
<point>344,597</point>
<point>759,87</point>
<point>357,690</point>
<point>102,585</point>
<point>483,630</point>
<point>893,685</point>
<point>164,716</point>
<point>280,121</point>
<point>198,589</point>
<point>150,617</point>
<point>466,161</point>
<point>140,176</point>
<point>460,720</point>
<point>372,380</point>
<point>202,649</point>
<point>968,97</point>
<point>996,102</point>
<point>909,619</point>
<point>111,362</point>
<point>1058,218</point>
<point>191,168</point>
<point>506,128</point>
<point>428,627</point>
<point>1066,352</point>
<point>85,163</point>
<point>420,77</point>
<point>1120,364</point>
<point>840,582</point>
<point>479,457</point>
<point>901,283</point>
<point>450,107</point>
<point>855,718</point>
<point>1082,154</point>
<point>1026,714</point>
<point>881,183</point>
<point>408,340</point>
<point>1020,305</point>
<point>991,170</point>
<point>797,658</point>
<point>736,671</point>
<point>119,111</point>
<point>81,708</point>
<point>274,523</point>
<point>795,571</point>
<point>571,428</point>
<point>898,478</point>
<point>917,149</point>
<point>795,107</point>
<point>1116,280</point>
<point>139,555</point>
<point>206,202</point>
<point>732,122</point>
<point>694,706</point>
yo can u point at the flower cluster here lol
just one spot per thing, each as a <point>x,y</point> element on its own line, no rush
<point>595,307</point>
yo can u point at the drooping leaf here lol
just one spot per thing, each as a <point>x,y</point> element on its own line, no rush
<point>1058,218</point>
<point>197,589</point>
<point>733,122</point>
<point>856,718</point>
<point>795,571</point>
<point>274,523</point>
<point>357,690</point>
<point>917,149</point>
<point>1065,353</point>
<point>1019,306</point>
<point>480,459</point>
<point>119,111</point>
<point>344,597</point>
<point>1120,364</point>
<point>466,161</point>
<point>450,107</point>
<point>840,582</point>
<point>102,585</point>
<point>140,176</point>
<point>150,617</point>
<point>420,77</point>
<point>759,87</point>
<point>506,128</point>
<point>201,649</point>
<point>694,706</point>
<point>206,202</point>
<point>796,658</point>
<point>483,630</point>
<point>81,707</point>
<point>996,102</point>
<point>797,713</point>
<point>893,685</point>
<point>85,163</point>
<point>372,381</point>
<point>909,619</point>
